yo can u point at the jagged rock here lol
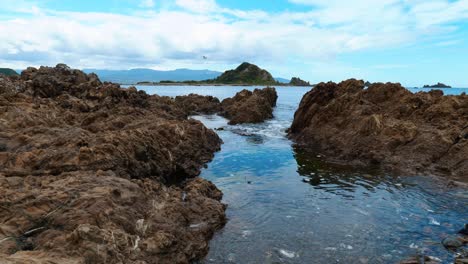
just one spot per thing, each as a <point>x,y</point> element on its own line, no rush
<point>422,133</point>
<point>93,173</point>
<point>250,107</point>
<point>194,104</point>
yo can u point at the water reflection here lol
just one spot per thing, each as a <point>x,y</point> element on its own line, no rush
<point>340,179</point>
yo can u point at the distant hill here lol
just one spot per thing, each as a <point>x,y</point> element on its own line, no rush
<point>147,75</point>
<point>246,73</point>
<point>8,72</point>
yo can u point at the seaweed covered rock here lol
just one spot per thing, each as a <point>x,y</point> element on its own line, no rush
<point>94,173</point>
<point>250,107</point>
<point>422,133</point>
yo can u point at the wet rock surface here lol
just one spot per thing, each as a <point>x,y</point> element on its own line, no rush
<point>387,125</point>
<point>93,173</point>
<point>250,107</point>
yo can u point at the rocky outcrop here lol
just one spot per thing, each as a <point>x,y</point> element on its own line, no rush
<point>250,107</point>
<point>93,173</point>
<point>194,104</point>
<point>247,74</point>
<point>422,133</point>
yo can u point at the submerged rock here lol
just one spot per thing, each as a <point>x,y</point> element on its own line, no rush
<point>464,230</point>
<point>93,173</point>
<point>453,242</point>
<point>421,259</point>
<point>250,107</point>
<point>385,124</point>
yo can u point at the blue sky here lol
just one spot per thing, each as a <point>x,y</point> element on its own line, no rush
<point>414,42</point>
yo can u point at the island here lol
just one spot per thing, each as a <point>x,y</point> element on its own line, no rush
<point>246,73</point>
<point>438,85</point>
<point>296,81</point>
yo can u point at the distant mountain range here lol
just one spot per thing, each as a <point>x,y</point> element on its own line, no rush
<point>148,75</point>
<point>140,75</point>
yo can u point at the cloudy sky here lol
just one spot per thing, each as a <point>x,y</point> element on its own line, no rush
<point>414,42</point>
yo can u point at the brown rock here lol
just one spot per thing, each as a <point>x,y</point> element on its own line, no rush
<point>422,133</point>
<point>80,217</point>
<point>250,107</point>
<point>194,104</point>
<point>93,173</point>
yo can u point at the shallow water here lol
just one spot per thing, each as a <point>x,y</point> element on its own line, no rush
<point>288,206</point>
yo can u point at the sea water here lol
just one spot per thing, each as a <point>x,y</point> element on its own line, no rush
<point>286,205</point>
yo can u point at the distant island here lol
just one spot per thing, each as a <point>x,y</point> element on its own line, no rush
<point>438,85</point>
<point>296,81</point>
<point>8,72</point>
<point>245,74</point>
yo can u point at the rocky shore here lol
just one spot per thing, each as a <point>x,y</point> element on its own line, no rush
<point>93,173</point>
<point>385,125</point>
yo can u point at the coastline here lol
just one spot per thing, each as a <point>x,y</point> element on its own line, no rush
<point>210,84</point>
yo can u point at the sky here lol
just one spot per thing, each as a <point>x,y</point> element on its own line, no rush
<point>413,42</point>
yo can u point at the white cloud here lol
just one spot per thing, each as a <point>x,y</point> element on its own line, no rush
<point>147,3</point>
<point>226,36</point>
<point>199,6</point>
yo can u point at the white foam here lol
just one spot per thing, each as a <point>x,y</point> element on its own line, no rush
<point>246,233</point>
<point>432,221</point>
<point>287,253</point>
